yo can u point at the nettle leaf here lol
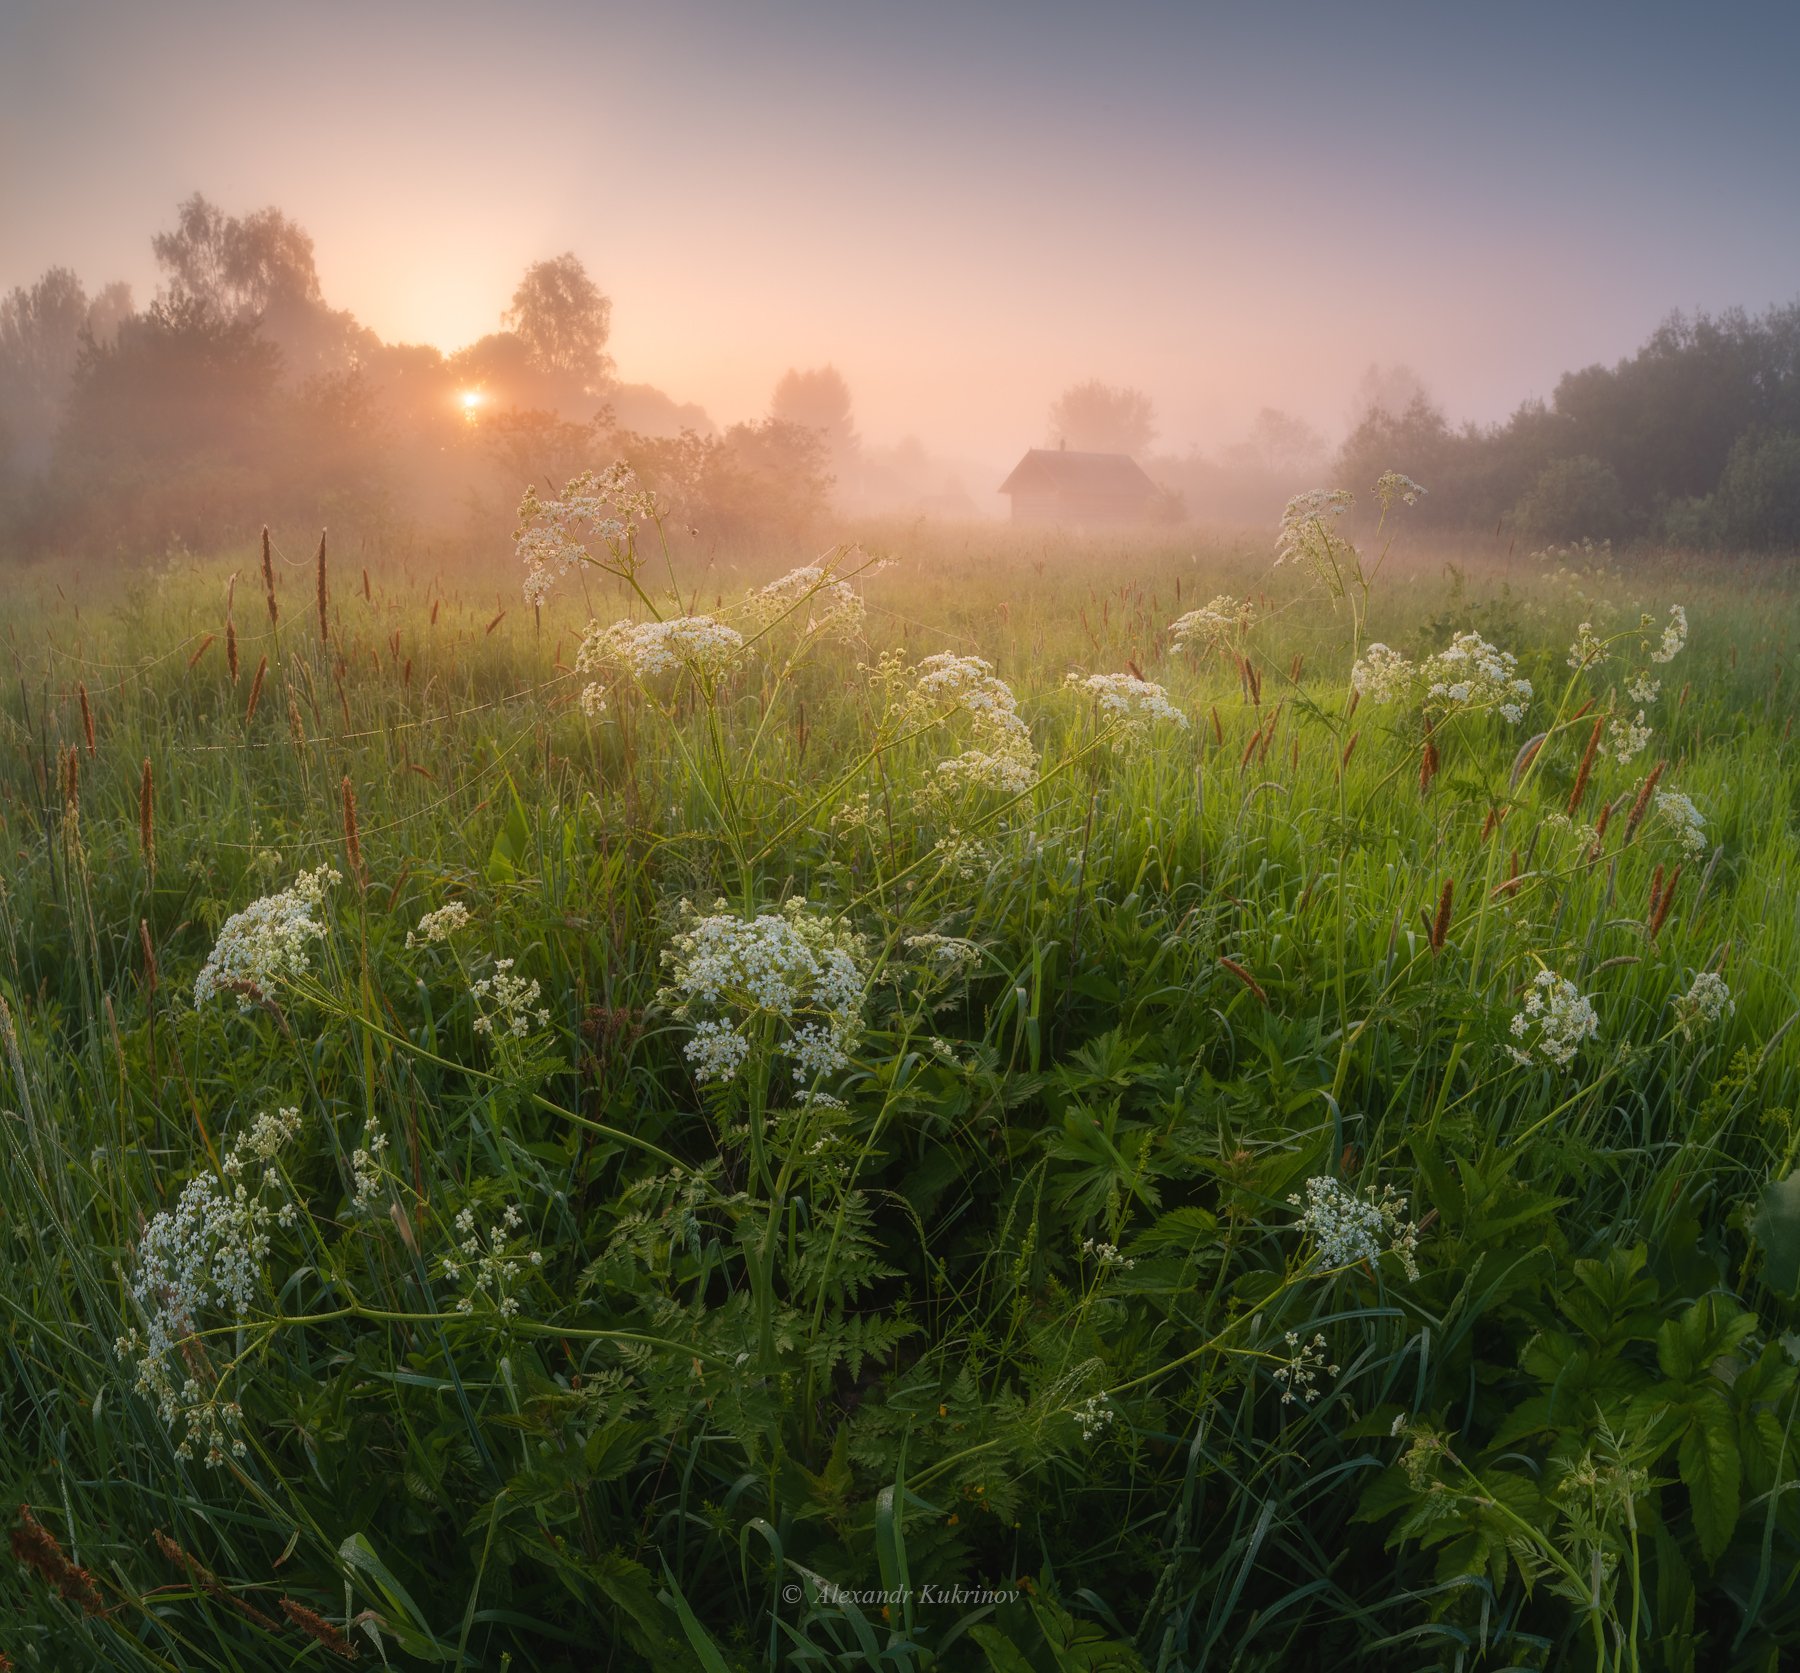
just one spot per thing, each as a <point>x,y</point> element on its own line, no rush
<point>1688,1346</point>
<point>1776,1230</point>
<point>1711,1472</point>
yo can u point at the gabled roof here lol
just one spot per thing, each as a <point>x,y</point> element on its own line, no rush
<point>1062,470</point>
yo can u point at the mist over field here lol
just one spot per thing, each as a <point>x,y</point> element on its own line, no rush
<point>921,839</point>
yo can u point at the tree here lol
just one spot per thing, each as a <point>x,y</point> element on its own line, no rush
<point>40,340</point>
<point>1279,444</point>
<point>1390,389</point>
<point>1759,493</point>
<point>237,266</point>
<point>1096,417</point>
<point>817,400</point>
<point>1573,499</point>
<point>564,319</point>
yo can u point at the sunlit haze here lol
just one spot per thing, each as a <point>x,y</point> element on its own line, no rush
<point>964,209</point>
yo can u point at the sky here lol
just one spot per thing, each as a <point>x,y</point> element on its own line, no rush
<point>965,207</point>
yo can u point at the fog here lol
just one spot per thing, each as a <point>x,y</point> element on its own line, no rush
<point>1256,229</point>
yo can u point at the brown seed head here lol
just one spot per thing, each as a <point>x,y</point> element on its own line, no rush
<point>87,719</point>
<point>1643,800</point>
<point>255,691</point>
<point>318,1628</point>
<point>147,814</point>
<point>352,833</point>
<point>35,1548</point>
<point>268,568</point>
<point>324,596</point>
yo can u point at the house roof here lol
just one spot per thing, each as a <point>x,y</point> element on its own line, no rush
<point>1063,470</point>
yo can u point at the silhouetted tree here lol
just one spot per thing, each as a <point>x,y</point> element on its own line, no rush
<point>40,340</point>
<point>1099,418</point>
<point>817,400</point>
<point>563,318</point>
<point>236,265</point>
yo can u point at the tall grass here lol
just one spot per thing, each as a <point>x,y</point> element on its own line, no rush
<point>1023,1306</point>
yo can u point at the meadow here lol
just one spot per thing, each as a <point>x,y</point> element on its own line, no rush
<point>978,1100</point>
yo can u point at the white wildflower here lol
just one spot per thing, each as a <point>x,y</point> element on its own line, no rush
<point>1552,1022</point>
<point>698,644</point>
<point>1707,1001</point>
<point>507,1002</point>
<point>1588,651</point>
<point>831,608</point>
<point>1393,486</point>
<point>1349,1229</point>
<point>267,943</point>
<point>1469,673</point>
<point>1686,821</point>
<point>556,535</point>
<point>1308,536</point>
<point>1133,705</point>
<point>796,969</point>
<point>1221,622</point>
<point>1674,636</point>
<point>1094,1415</point>
<point>1383,675</point>
<point>1299,1373</point>
<point>1625,739</point>
<point>440,925</point>
<point>1640,688</point>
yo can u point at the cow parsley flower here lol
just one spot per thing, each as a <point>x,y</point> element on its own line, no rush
<point>1308,536</point>
<point>1299,1373</point>
<point>1221,622</point>
<point>507,1003</point>
<point>555,535</point>
<point>1010,771</point>
<point>1685,820</point>
<point>1348,1229</point>
<point>1640,688</point>
<point>1707,1001</point>
<point>831,608</point>
<point>200,1262</point>
<point>947,689</point>
<point>1674,635</point>
<point>948,954</point>
<point>1625,739</point>
<point>487,1264</point>
<point>1383,675</point>
<point>796,973</point>
<point>440,925</point>
<point>1471,674</point>
<point>697,644</point>
<point>1588,651</point>
<point>1131,704</point>
<point>1392,487</point>
<point>1553,1021</point>
<point>269,942</point>
<point>1095,1416</point>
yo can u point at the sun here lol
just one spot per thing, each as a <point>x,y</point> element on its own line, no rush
<point>471,399</point>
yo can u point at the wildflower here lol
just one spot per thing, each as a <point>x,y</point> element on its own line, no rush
<point>1383,675</point>
<point>1587,651</point>
<point>645,650</point>
<point>367,1167</point>
<point>1133,705</point>
<point>1349,1229</point>
<point>1625,739</point>
<point>717,1051</point>
<point>833,608</point>
<point>553,535</point>
<point>1107,1254</point>
<point>1299,1373</point>
<point>1674,635</point>
<point>1392,486</point>
<point>203,1256</point>
<point>1308,536</point>
<point>486,1264</point>
<point>440,925</point>
<point>1553,1021</point>
<point>795,968</point>
<point>1214,624</point>
<point>1011,772</point>
<point>267,943</point>
<point>1472,674</point>
<point>593,700</point>
<point>1707,1001</point>
<point>947,954</point>
<point>508,1000</point>
<point>1640,688</point>
<point>1686,821</point>
<point>1095,1415</point>
<point>946,684</point>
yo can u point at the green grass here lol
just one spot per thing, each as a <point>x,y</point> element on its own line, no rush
<point>778,1355</point>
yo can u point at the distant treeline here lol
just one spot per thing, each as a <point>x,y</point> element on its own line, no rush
<point>1693,442</point>
<point>239,397</point>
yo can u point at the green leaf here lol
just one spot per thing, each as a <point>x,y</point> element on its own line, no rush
<point>1776,1229</point>
<point>1710,1470</point>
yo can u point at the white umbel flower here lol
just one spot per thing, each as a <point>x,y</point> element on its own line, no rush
<point>269,942</point>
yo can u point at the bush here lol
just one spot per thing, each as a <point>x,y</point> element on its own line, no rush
<point>1759,493</point>
<point>1572,499</point>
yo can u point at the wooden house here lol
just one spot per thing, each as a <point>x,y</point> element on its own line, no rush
<point>1061,485</point>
